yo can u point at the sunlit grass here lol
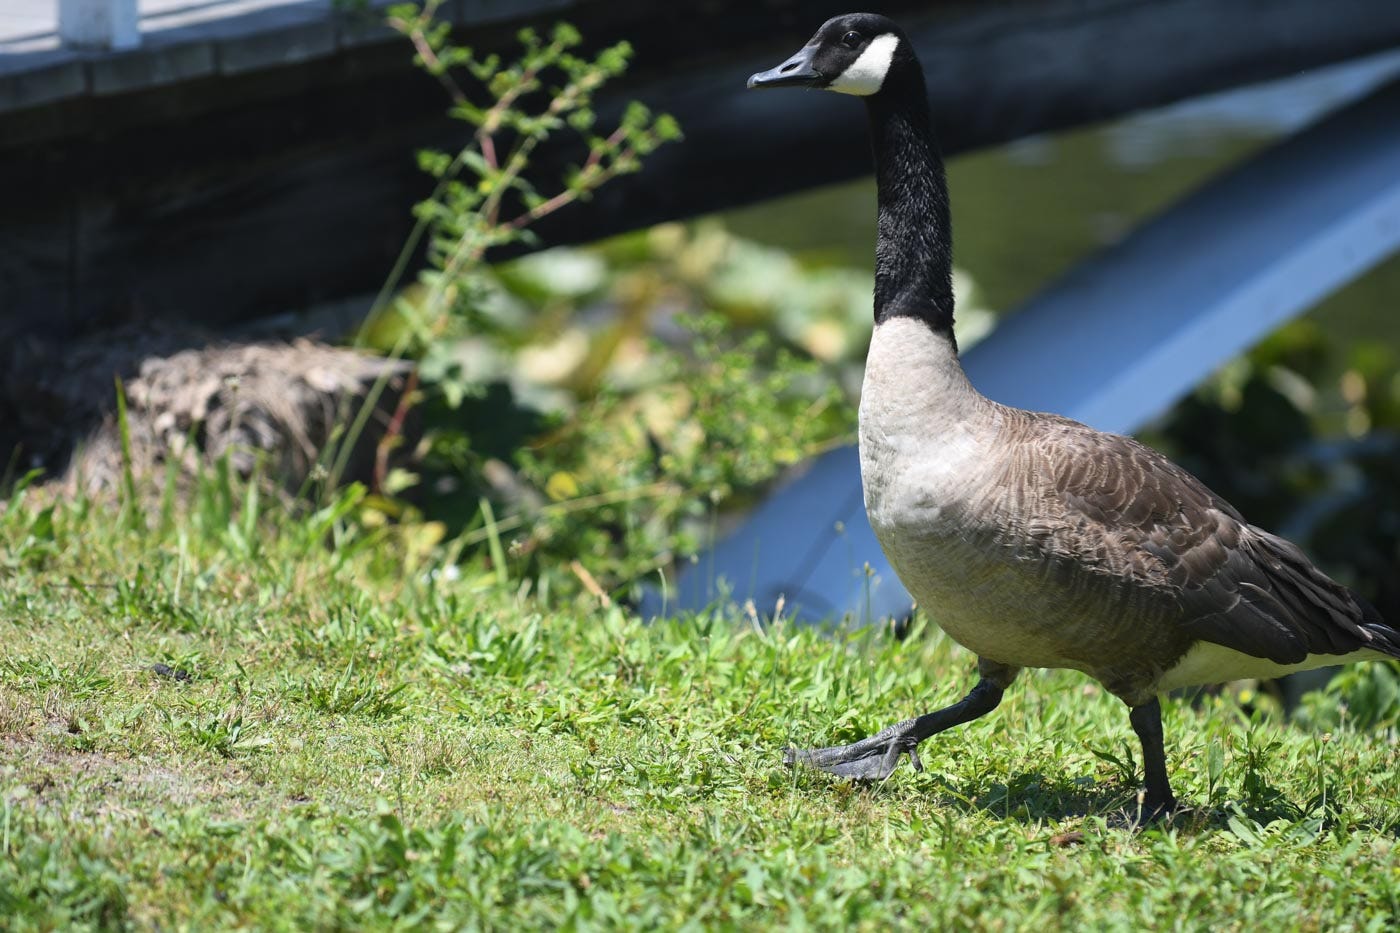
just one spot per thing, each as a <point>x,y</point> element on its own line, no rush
<point>283,722</point>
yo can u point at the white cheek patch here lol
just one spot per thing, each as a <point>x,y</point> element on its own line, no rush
<point>867,73</point>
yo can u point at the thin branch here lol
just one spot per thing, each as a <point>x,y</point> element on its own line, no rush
<point>589,582</point>
<point>590,176</point>
<point>436,68</point>
<point>417,34</point>
<point>488,149</point>
<point>394,430</point>
<point>514,166</point>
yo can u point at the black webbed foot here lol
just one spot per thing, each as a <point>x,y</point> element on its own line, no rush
<point>872,759</point>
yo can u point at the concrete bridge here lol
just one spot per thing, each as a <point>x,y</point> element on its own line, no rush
<point>58,50</point>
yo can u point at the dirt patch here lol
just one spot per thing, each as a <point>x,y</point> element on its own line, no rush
<point>96,785</point>
<point>17,714</point>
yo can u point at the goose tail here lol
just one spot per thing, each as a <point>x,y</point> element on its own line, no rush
<point>1384,637</point>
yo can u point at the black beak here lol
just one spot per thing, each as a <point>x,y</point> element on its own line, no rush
<point>795,72</point>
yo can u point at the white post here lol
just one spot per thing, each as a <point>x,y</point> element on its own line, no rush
<point>99,24</point>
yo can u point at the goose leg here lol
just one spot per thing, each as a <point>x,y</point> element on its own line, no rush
<point>874,759</point>
<point>1157,800</point>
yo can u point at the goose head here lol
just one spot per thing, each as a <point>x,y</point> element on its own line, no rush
<point>859,53</point>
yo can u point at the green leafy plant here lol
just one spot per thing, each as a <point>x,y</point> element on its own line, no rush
<point>485,199</point>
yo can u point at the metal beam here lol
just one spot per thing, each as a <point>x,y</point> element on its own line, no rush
<point>1112,344</point>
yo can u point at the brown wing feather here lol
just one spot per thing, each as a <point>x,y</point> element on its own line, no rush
<point>1234,584</point>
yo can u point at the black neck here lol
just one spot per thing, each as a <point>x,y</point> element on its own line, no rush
<point>914,252</point>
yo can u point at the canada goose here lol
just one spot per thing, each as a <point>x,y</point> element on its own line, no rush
<point>1031,539</point>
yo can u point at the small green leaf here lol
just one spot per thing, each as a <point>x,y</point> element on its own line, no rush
<point>41,529</point>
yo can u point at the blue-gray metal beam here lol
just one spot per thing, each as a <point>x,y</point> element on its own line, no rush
<point>1111,344</point>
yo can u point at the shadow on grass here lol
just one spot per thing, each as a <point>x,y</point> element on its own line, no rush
<point>1034,797</point>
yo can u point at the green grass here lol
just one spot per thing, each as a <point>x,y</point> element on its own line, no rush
<point>363,743</point>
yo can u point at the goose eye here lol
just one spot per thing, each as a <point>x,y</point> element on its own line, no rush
<point>850,40</point>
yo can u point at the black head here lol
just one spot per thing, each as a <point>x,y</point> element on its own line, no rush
<point>859,53</point>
